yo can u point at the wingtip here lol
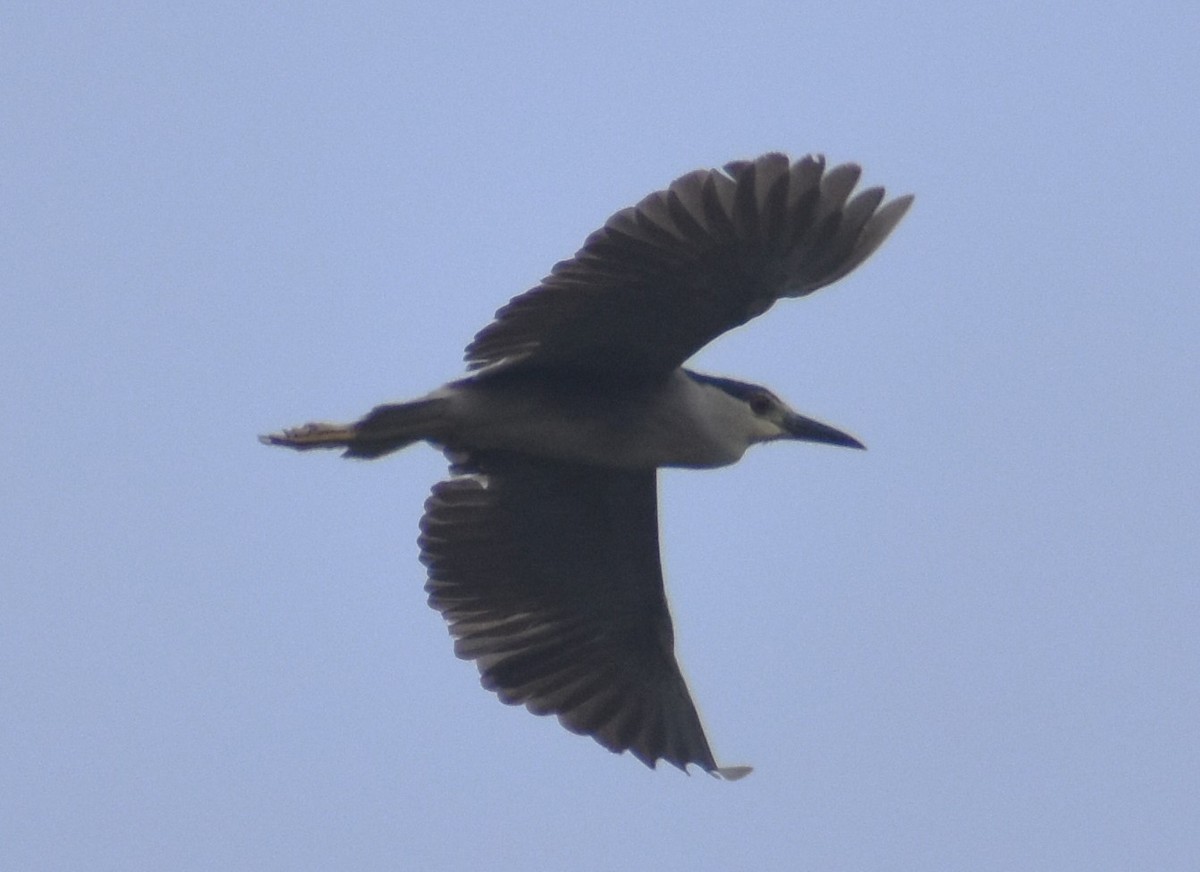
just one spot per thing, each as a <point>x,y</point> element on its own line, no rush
<point>902,204</point>
<point>732,773</point>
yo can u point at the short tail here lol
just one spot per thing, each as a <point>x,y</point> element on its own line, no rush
<point>383,430</point>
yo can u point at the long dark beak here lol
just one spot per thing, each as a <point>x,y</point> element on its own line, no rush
<point>808,430</point>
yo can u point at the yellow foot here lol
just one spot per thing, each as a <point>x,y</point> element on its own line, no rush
<point>311,436</point>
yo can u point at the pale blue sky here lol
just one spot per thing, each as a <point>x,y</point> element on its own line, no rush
<point>973,647</point>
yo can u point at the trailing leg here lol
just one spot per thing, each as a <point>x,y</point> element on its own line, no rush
<point>381,431</point>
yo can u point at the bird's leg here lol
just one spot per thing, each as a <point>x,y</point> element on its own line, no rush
<point>381,431</point>
<point>312,436</point>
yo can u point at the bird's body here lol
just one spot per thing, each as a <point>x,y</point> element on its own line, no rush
<point>680,420</point>
<point>542,548</point>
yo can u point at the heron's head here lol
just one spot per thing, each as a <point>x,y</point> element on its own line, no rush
<point>763,417</point>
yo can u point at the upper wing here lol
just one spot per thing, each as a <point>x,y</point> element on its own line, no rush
<point>548,575</point>
<point>663,278</point>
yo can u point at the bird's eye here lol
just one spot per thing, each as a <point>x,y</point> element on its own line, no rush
<point>760,404</point>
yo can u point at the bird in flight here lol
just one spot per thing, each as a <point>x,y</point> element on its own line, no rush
<point>542,545</point>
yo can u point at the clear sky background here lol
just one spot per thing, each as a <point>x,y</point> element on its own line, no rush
<point>973,647</point>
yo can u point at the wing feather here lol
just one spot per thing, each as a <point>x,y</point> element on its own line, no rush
<point>714,249</point>
<point>548,576</point>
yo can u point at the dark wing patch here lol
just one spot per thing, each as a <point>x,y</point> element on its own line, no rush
<point>548,575</point>
<point>663,278</point>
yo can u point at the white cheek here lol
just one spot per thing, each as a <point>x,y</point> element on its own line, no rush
<point>763,429</point>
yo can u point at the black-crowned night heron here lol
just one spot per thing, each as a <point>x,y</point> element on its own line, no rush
<point>542,546</point>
